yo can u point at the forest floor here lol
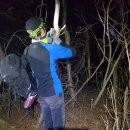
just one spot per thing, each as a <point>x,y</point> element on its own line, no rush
<point>79,116</point>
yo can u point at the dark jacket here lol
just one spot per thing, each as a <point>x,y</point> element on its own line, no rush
<point>42,58</point>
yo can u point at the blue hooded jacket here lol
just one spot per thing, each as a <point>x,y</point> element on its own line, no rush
<point>42,58</point>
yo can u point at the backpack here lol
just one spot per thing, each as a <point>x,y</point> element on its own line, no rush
<point>16,75</point>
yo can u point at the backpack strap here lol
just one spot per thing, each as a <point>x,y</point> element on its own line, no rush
<point>26,65</point>
<point>24,58</point>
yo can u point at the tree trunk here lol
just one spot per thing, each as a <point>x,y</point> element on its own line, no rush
<point>117,95</point>
<point>1,56</point>
<point>56,17</point>
<point>67,40</point>
<point>1,53</point>
<point>88,53</point>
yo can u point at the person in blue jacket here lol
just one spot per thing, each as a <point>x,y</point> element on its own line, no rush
<point>42,56</point>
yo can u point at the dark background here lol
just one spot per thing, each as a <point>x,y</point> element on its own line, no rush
<point>80,14</point>
<point>14,13</point>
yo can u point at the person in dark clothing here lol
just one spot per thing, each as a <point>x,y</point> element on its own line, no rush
<point>42,56</point>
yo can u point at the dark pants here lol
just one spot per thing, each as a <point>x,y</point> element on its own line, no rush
<point>53,111</point>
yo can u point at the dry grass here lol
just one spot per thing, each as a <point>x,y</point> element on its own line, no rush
<point>78,116</point>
